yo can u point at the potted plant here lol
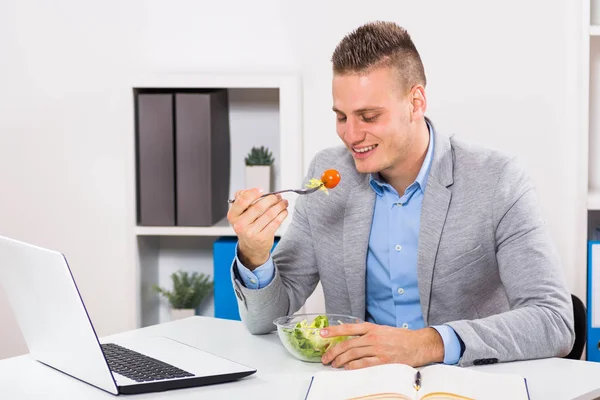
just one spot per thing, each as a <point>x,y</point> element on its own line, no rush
<point>189,290</point>
<point>259,162</point>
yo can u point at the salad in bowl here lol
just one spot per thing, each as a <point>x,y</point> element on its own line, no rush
<point>300,333</point>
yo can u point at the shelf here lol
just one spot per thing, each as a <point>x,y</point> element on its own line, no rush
<point>593,202</point>
<point>594,30</point>
<point>264,109</point>
<point>221,228</point>
<point>185,80</point>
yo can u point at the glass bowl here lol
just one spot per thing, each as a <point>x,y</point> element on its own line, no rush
<point>300,333</point>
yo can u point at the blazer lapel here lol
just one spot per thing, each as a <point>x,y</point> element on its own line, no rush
<point>358,216</point>
<point>436,202</point>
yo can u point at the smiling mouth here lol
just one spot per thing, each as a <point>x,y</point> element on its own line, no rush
<point>362,150</point>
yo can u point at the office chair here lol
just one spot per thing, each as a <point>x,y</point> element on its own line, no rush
<point>580,317</point>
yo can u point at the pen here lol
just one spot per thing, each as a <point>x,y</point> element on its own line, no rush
<point>418,381</point>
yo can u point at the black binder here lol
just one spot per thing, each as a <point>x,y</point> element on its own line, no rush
<point>155,159</point>
<point>202,157</point>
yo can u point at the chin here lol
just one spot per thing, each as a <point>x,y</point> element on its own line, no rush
<point>364,167</point>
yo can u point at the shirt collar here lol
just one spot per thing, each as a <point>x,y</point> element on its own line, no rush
<point>378,185</point>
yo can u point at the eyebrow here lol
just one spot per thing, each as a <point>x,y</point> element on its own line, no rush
<point>360,110</point>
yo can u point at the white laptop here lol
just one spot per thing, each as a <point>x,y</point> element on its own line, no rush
<point>60,334</point>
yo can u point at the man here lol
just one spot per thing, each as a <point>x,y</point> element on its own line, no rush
<point>438,245</point>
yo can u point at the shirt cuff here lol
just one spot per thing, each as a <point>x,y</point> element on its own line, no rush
<point>451,343</point>
<point>260,277</point>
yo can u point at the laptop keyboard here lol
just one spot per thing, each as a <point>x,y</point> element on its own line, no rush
<point>139,367</point>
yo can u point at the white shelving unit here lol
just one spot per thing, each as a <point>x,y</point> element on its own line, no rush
<point>221,228</point>
<point>590,118</point>
<point>264,110</point>
<point>590,94</point>
<point>593,203</point>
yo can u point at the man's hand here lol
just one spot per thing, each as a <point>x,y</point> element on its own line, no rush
<point>378,344</point>
<point>255,223</point>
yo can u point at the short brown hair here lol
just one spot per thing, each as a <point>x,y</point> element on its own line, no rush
<point>380,44</point>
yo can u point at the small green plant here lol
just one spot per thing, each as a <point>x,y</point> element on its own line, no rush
<point>259,156</point>
<point>188,290</point>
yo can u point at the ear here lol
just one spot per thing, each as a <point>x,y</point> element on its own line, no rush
<point>418,102</point>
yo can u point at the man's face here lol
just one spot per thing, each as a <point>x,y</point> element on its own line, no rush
<point>373,116</point>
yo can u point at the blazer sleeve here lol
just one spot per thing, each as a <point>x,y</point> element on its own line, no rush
<point>540,321</point>
<point>296,274</point>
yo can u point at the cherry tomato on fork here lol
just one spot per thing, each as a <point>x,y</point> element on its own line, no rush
<point>330,178</point>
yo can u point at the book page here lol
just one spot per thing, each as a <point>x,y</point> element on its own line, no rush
<point>390,381</point>
<point>446,382</point>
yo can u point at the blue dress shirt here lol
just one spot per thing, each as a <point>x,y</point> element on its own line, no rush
<point>392,294</point>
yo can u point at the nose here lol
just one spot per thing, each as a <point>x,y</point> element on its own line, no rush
<point>353,134</point>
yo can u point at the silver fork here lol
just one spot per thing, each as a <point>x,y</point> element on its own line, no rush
<point>299,191</point>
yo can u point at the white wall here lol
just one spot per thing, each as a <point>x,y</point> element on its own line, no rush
<point>500,74</point>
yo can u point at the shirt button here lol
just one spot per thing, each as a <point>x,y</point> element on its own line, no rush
<point>399,204</point>
<point>405,325</point>
<point>398,247</point>
<point>253,280</point>
<point>400,291</point>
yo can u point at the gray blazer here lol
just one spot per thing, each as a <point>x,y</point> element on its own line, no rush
<point>486,264</point>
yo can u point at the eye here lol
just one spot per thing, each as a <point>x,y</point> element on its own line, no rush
<point>369,118</point>
<point>341,118</point>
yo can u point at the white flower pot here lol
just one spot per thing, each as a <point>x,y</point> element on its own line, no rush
<point>258,176</point>
<point>180,313</point>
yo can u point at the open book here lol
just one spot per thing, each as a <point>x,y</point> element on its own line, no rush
<point>398,382</point>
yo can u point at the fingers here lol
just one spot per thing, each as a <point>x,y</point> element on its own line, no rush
<point>359,330</point>
<point>363,363</point>
<point>335,351</point>
<point>360,350</point>
<point>258,215</point>
<point>243,200</point>
<point>273,216</point>
<point>236,209</point>
<point>272,226</point>
<point>246,209</point>
<point>346,330</point>
<point>255,220</point>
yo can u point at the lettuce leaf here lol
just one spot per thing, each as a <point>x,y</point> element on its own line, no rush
<point>306,341</point>
<point>312,183</point>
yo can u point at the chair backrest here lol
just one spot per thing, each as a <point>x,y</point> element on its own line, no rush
<point>580,317</point>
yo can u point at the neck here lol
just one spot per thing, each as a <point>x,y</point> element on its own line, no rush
<point>405,173</point>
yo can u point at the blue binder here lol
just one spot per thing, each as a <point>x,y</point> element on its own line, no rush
<point>226,306</point>
<point>593,302</point>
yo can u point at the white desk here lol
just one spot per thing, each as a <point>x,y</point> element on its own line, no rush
<point>279,375</point>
